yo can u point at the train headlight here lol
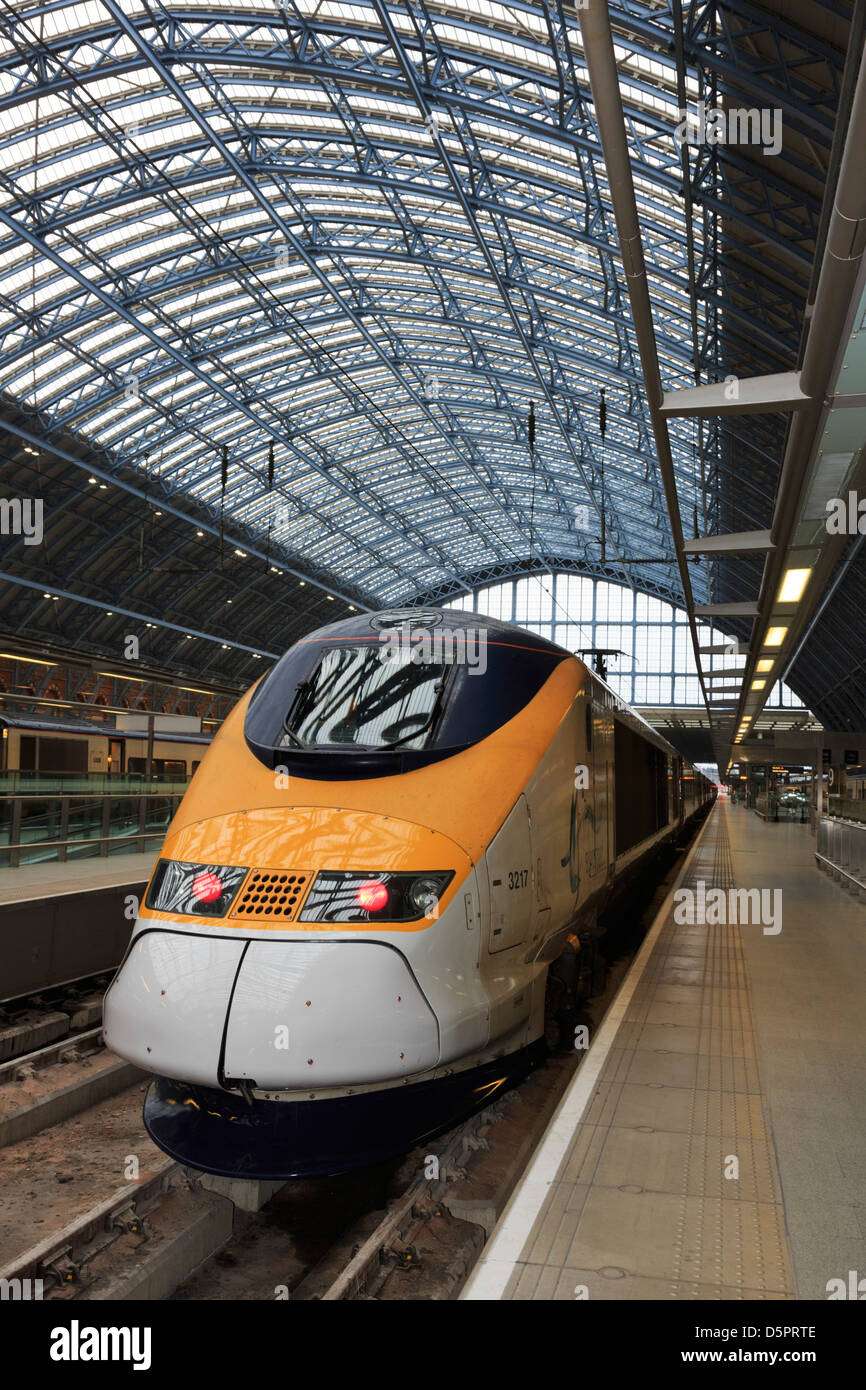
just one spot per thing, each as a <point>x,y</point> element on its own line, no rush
<point>194,890</point>
<point>424,894</point>
<point>372,897</point>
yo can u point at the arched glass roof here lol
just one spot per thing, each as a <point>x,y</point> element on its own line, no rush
<point>368,239</point>
<point>650,658</point>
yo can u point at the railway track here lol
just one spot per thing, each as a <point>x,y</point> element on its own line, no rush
<point>31,1021</point>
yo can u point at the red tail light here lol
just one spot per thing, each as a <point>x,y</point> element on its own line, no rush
<point>206,888</point>
<point>372,896</point>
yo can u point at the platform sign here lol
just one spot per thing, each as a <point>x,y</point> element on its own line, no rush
<point>825,757</point>
<point>162,723</point>
<point>852,756</point>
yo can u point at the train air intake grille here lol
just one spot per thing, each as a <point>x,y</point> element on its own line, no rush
<point>270,893</point>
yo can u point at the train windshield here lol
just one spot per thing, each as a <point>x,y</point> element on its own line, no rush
<point>363,698</point>
<point>366,696</point>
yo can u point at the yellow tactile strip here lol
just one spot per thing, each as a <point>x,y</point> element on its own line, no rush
<point>641,1206</point>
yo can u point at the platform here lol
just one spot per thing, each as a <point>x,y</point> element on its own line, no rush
<point>724,1042</point>
<point>75,876</point>
<point>60,923</point>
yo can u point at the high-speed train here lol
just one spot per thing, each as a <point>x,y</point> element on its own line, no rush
<point>380,888</point>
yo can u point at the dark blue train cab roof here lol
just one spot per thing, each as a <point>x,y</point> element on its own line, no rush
<point>382,693</point>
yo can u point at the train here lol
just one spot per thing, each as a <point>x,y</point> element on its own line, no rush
<point>29,744</point>
<point>379,892</point>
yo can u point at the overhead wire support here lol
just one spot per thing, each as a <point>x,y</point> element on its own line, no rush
<point>531,435</point>
<point>270,502</point>
<point>602,427</point>
<point>224,475</point>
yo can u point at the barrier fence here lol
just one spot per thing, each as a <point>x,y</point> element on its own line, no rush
<point>841,849</point>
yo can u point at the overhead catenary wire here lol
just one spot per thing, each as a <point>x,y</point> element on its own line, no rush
<point>602,425</point>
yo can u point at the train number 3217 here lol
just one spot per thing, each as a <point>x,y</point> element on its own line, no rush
<point>518,878</point>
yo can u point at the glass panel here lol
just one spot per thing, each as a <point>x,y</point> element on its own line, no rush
<point>356,696</point>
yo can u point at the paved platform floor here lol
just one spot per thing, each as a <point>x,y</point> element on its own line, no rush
<point>47,880</point>
<point>711,1145</point>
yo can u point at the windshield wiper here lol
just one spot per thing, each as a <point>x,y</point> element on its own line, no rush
<point>423,728</point>
<point>303,687</point>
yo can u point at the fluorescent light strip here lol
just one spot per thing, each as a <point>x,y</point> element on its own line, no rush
<point>33,660</point>
<point>793,584</point>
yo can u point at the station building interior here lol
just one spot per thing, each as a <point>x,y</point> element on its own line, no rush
<point>529,321</point>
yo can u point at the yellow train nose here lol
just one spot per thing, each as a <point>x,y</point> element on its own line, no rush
<point>284,848</point>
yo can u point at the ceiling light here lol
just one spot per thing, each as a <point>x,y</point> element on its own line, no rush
<point>775,637</point>
<point>764,666</point>
<point>199,533</point>
<point>758,685</point>
<point>793,584</point>
<point>91,480</point>
<point>241,554</point>
<point>31,660</point>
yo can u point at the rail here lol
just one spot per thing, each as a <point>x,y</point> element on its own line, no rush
<point>842,849</point>
<point>770,806</point>
<point>845,808</point>
<point>62,1259</point>
<point>18,783</point>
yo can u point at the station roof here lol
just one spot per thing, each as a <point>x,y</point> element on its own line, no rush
<point>287,281</point>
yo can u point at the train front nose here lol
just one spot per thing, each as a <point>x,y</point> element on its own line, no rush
<point>284,998</point>
<point>276,1014</point>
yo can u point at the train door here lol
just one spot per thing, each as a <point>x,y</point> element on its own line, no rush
<point>115,757</point>
<point>509,873</point>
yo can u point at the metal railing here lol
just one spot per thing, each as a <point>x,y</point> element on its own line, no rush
<point>45,829</point>
<point>846,807</point>
<point>772,807</point>
<point>841,848</point>
<point>98,783</point>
